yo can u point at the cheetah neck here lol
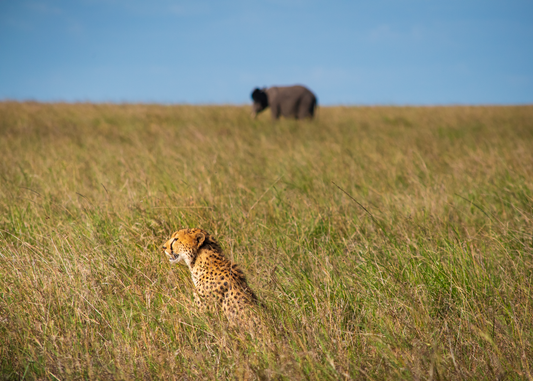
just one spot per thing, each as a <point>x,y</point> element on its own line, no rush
<point>206,260</point>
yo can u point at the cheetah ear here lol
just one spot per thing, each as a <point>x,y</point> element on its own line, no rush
<point>200,238</point>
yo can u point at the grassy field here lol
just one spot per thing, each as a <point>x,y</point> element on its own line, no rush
<point>386,242</point>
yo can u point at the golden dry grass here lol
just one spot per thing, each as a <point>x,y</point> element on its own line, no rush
<point>432,281</point>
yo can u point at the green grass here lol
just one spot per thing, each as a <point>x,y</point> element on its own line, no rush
<point>432,281</point>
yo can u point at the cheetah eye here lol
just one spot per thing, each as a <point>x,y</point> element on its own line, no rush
<point>171,243</point>
<point>164,247</point>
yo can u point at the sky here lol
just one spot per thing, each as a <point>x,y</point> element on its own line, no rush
<point>376,52</point>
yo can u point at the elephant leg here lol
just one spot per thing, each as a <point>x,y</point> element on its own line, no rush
<point>303,109</point>
<point>276,111</point>
<point>297,110</point>
<point>307,107</point>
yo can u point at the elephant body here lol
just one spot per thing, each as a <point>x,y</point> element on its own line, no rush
<point>288,101</point>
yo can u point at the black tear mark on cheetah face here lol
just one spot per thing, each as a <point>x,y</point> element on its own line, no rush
<point>173,257</point>
<point>183,245</point>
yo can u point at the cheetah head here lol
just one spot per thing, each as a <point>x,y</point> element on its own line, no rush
<point>183,245</point>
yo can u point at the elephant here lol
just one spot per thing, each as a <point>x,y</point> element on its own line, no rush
<point>290,101</point>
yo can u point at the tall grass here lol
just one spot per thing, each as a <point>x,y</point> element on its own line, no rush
<point>387,242</point>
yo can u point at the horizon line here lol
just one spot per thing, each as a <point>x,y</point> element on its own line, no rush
<point>223,104</point>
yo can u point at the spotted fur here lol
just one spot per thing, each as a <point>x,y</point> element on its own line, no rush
<point>218,282</point>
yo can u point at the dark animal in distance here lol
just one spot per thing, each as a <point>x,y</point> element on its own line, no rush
<point>288,101</point>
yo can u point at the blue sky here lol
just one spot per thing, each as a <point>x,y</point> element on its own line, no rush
<point>416,52</point>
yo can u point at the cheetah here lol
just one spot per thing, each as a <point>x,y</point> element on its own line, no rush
<point>218,282</point>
